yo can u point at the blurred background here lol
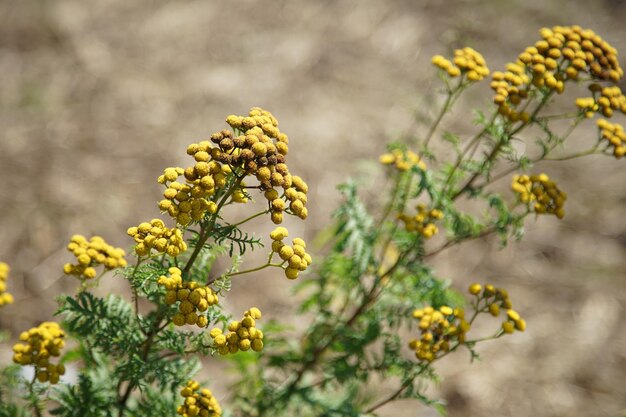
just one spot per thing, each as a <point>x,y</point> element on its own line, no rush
<point>97,97</point>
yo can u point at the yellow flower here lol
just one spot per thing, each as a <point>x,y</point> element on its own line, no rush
<point>243,335</point>
<point>90,254</point>
<point>198,402</point>
<point>41,344</point>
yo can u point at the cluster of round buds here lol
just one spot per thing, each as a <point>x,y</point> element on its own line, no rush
<point>439,328</point>
<point>547,197</point>
<point>495,300</point>
<point>198,402</point>
<point>511,88</point>
<point>296,257</point>
<point>154,235</point>
<point>242,335</point>
<point>466,61</point>
<point>402,160</point>
<point>561,55</point>
<point>5,297</point>
<point>260,150</point>
<point>90,254</point>
<point>191,296</point>
<point>423,222</point>
<point>609,100</point>
<point>614,134</point>
<point>40,344</point>
<point>188,201</point>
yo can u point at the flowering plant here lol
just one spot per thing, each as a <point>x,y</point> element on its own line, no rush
<point>377,309</point>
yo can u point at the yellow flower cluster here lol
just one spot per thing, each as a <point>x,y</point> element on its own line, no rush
<point>438,329</point>
<point>5,297</point>
<point>154,235</point>
<point>192,296</point>
<point>466,61</point>
<point>496,299</point>
<point>610,99</point>
<point>41,343</point>
<point>544,192</point>
<point>90,254</point>
<point>260,150</point>
<point>614,134</point>
<point>198,402</point>
<point>561,54</point>
<point>296,257</point>
<point>242,335</point>
<point>403,161</point>
<point>188,201</point>
<point>423,221</point>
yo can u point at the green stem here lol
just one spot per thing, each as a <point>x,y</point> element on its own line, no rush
<point>33,397</point>
<point>496,149</point>
<point>135,296</point>
<point>444,109</point>
<point>267,265</point>
<point>147,344</point>
<point>544,157</point>
<point>472,144</point>
<point>453,242</point>
<point>247,219</point>
<point>392,397</point>
<point>205,232</point>
<point>591,151</point>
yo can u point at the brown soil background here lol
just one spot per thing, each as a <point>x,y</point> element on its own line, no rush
<point>97,97</point>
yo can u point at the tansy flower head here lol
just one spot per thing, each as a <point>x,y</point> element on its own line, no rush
<point>188,199</point>
<point>493,300</point>
<point>40,344</point>
<point>154,235</point>
<point>192,298</point>
<point>5,297</point>
<point>198,402</point>
<point>540,193</point>
<point>613,134</point>
<point>609,100</point>
<point>256,147</point>
<point>90,254</point>
<point>466,62</point>
<point>563,53</point>
<point>439,329</point>
<point>242,335</point>
<point>423,222</point>
<point>402,160</point>
<point>260,150</point>
<point>295,257</point>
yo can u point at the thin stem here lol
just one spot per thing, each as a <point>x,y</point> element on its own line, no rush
<point>442,112</point>
<point>559,116</point>
<point>401,206</point>
<point>267,265</point>
<point>392,200</point>
<point>260,213</point>
<point>496,150</point>
<point>392,397</point>
<point>205,232</point>
<point>544,157</point>
<point>453,242</point>
<point>33,397</point>
<point>135,296</point>
<point>147,344</point>
<point>591,151</point>
<point>473,143</point>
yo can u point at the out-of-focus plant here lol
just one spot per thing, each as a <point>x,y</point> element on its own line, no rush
<point>377,310</point>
